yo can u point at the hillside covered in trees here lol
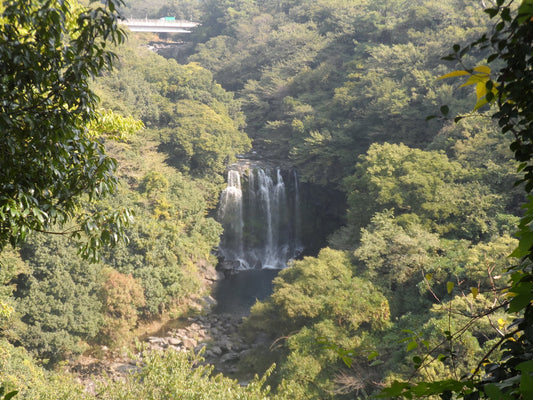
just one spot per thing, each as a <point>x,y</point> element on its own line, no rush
<point>422,209</point>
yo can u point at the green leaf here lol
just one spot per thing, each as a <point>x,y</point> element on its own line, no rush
<point>372,355</point>
<point>493,391</point>
<point>526,366</point>
<point>522,296</point>
<point>481,90</point>
<point>348,361</point>
<point>412,345</point>
<point>395,389</point>
<point>475,79</point>
<point>481,102</point>
<point>524,245</point>
<point>10,395</point>
<point>526,385</point>
<point>491,11</point>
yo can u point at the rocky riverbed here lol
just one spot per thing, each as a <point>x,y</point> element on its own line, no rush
<point>214,334</point>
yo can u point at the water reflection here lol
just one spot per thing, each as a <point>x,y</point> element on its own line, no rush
<point>236,294</point>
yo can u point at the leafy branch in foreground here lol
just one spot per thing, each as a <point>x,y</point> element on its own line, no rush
<point>50,162</point>
<point>510,376</point>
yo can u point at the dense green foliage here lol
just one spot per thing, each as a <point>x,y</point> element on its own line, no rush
<point>50,161</point>
<point>410,288</point>
<point>199,123</point>
<point>318,298</point>
<point>508,375</point>
<point>58,302</point>
<point>321,80</point>
<point>422,186</point>
<point>55,303</point>
<point>153,9</point>
<point>169,376</point>
<point>343,89</point>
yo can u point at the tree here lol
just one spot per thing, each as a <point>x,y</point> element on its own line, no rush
<point>318,301</point>
<point>58,300</point>
<point>50,162</point>
<point>424,186</point>
<point>508,376</point>
<point>121,295</point>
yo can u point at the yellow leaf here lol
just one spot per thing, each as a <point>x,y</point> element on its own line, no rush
<point>484,69</point>
<point>475,79</point>
<point>481,102</point>
<point>454,74</point>
<point>449,287</point>
<point>481,90</point>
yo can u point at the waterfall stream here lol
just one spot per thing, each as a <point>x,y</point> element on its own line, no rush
<point>259,210</point>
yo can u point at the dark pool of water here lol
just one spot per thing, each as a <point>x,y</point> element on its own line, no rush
<point>238,293</point>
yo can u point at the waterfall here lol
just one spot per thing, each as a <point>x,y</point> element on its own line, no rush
<point>230,215</point>
<point>259,211</point>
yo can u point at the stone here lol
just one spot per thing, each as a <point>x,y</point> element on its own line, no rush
<point>199,347</point>
<point>157,341</point>
<point>209,302</point>
<point>127,368</point>
<point>229,357</point>
<point>189,343</point>
<point>173,341</point>
<point>233,370</point>
<point>225,345</point>
<point>194,327</point>
<point>216,350</point>
<point>244,353</point>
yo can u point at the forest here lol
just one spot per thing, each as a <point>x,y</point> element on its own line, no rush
<point>413,163</point>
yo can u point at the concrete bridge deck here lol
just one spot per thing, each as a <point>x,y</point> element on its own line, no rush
<point>159,25</point>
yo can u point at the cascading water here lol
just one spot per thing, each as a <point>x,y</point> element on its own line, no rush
<point>230,214</point>
<point>268,219</point>
<point>259,210</point>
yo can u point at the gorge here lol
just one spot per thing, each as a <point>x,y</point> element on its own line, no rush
<point>261,215</point>
<point>261,212</point>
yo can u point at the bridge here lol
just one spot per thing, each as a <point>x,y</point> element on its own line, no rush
<point>159,25</point>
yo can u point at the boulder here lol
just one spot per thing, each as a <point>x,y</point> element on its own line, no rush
<point>229,357</point>
<point>173,341</point>
<point>189,343</point>
<point>216,350</point>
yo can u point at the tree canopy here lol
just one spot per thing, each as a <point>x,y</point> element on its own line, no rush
<point>508,375</point>
<point>50,161</point>
<point>412,287</point>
